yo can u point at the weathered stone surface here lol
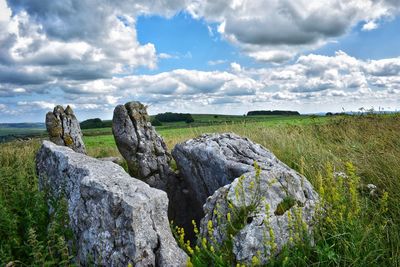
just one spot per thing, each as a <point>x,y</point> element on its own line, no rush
<point>117,160</point>
<point>116,219</point>
<point>64,129</point>
<point>268,200</point>
<point>215,161</point>
<point>141,146</point>
<point>148,159</point>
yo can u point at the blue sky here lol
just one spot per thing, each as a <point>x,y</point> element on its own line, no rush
<point>217,56</point>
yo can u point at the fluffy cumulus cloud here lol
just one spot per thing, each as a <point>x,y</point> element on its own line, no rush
<point>275,30</point>
<point>84,53</point>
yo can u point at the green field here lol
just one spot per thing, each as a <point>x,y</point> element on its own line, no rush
<point>100,140</point>
<point>357,229</point>
<point>21,131</point>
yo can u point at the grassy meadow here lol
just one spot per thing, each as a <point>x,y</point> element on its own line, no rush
<point>356,228</point>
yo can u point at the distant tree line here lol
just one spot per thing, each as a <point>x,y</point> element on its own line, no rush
<point>174,117</point>
<point>95,123</point>
<point>272,112</point>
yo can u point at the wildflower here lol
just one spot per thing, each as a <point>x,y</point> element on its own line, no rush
<point>195,229</point>
<point>210,227</point>
<point>255,261</point>
<point>204,242</point>
<point>212,249</point>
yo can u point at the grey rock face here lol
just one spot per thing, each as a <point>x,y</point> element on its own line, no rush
<point>64,129</point>
<point>116,219</point>
<point>277,202</point>
<point>211,165</point>
<point>138,142</point>
<point>116,160</point>
<point>148,159</point>
<point>214,160</point>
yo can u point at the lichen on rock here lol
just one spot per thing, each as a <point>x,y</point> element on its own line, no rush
<point>116,219</point>
<point>64,129</point>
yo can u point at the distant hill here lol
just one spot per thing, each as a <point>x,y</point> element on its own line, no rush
<point>36,125</point>
<point>12,131</point>
<point>272,112</point>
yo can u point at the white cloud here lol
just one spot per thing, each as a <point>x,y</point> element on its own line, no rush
<point>277,56</point>
<point>37,104</point>
<point>5,11</point>
<point>268,30</point>
<point>166,56</point>
<point>84,53</point>
<point>370,25</point>
<point>235,67</point>
<point>216,62</point>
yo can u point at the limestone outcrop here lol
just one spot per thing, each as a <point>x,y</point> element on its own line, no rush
<point>211,161</point>
<point>116,219</point>
<point>275,204</point>
<point>149,160</point>
<point>140,145</point>
<point>64,130</point>
<point>219,169</point>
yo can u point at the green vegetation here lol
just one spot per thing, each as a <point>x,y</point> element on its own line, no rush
<point>21,131</point>
<point>95,123</point>
<point>354,229</point>
<point>28,234</point>
<point>272,112</point>
<point>174,117</point>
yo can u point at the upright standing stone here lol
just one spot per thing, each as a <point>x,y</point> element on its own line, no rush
<point>148,159</point>
<point>64,129</point>
<point>141,146</point>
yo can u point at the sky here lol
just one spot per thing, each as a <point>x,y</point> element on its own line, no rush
<point>197,56</point>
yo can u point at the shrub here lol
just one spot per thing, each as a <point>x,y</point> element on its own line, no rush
<point>173,117</point>
<point>155,122</point>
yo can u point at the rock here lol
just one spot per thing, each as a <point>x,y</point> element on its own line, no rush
<point>116,219</point>
<point>64,129</point>
<point>214,160</point>
<point>140,145</point>
<point>266,200</point>
<point>116,160</point>
<point>211,165</point>
<point>149,160</point>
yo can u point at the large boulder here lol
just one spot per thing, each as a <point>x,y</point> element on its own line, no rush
<point>64,129</point>
<point>149,160</point>
<point>219,169</point>
<point>143,149</point>
<point>211,161</point>
<point>266,210</point>
<point>116,219</point>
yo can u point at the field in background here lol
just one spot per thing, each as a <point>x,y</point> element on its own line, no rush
<point>308,144</point>
<point>101,141</point>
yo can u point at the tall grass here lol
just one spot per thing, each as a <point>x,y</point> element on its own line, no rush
<point>372,145</point>
<point>319,149</point>
<point>29,236</point>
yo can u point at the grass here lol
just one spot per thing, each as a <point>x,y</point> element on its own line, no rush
<point>21,131</point>
<point>317,147</point>
<point>28,234</point>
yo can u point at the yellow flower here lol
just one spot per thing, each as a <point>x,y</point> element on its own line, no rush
<point>189,263</point>
<point>195,229</point>
<point>212,249</point>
